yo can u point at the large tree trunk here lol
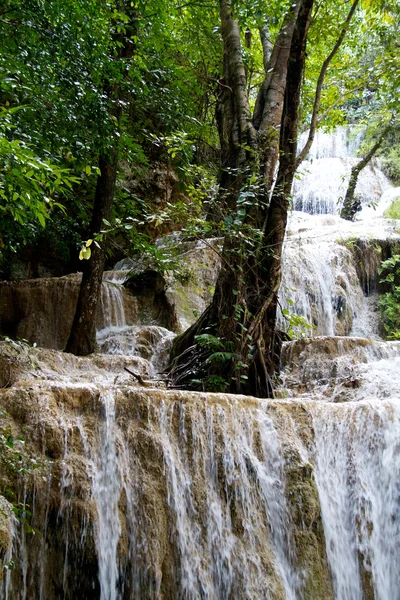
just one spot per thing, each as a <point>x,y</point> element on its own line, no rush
<point>274,232</point>
<point>242,314</point>
<point>241,320</point>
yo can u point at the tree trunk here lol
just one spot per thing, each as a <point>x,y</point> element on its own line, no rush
<point>242,315</point>
<point>82,339</point>
<point>351,205</point>
<point>275,228</point>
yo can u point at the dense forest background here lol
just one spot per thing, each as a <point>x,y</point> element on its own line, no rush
<point>122,121</point>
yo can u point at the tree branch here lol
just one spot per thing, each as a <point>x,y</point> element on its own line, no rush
<point>350,205</point>
<point>318,92</point>
<point>338,103</point>
<point>266,46</point>
<point>237,72</point>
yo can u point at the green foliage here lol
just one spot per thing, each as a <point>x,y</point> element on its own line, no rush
<point>390,300</point>
<point>52,112</point>
<point>13,454</point>
<point>296,326</point>
<point>29,186</point>
<point>15,459</point>
<point>212,383</point>
<point>57,73</point>
<point>393,212</point>
<point>220,358</point>
<point>216,383</point>
<point>391,163</point>
<point>210,342</point>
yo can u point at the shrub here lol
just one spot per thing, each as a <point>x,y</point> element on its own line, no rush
<point>390,300</point>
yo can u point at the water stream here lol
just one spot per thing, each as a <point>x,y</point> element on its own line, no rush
<point>358,475</point>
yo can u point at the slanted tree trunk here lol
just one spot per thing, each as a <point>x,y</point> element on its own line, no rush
<point>82,339</point>
<point>242,314</point>
<point>352,205</point>
<point>321,78</point>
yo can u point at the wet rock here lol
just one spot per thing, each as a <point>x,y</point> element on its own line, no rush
<point>212,491</point>
<point>323,364</point>
<point>6,533</point>
<point>173,485</point>
<point>41,311</point>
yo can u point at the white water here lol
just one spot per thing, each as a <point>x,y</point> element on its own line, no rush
<point>320,278</point>
<point>112,305</point>
<point>150,342</point>
<point>357,445</point>
<point>214,561</point>
<point>319,283</point>
<point>342,143</point>
<point>106,489</point>
<point>323,178</point>
<point>357,471</point>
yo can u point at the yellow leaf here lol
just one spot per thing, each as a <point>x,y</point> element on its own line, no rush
<point>85,253</point>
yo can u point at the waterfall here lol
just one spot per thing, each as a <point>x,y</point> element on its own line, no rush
<point>324,176</point>
<point>112,305</point>
<point>140,492</point>
<point>343,142</point>
<point>357,473</point>
<point>164,494</point>
<point>106,487</point>
<point>331,265</point>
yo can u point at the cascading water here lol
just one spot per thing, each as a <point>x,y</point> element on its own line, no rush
<point>144,493</point>
<point>112,305</point>
<point>321,272</point>
<point>104,472</point>
<point>324,177</point>
<point>357,473</point>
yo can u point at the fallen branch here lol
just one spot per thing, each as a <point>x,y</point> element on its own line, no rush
<point>136,376</point>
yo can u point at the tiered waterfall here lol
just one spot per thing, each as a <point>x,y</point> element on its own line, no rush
<point>130,491</point>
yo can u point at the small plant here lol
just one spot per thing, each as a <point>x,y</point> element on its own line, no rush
<point>349,243</point>
<point>297,326</point>
<point>390,300</point>
<point>209,341</point>
<point>15,459</point>
<point>294,325</point>
<point>216,383</point>
<point>219,357</point>
<point>391,164</point>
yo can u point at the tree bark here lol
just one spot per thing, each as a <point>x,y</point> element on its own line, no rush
<point>275,227</point>
<point>82,339</point>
